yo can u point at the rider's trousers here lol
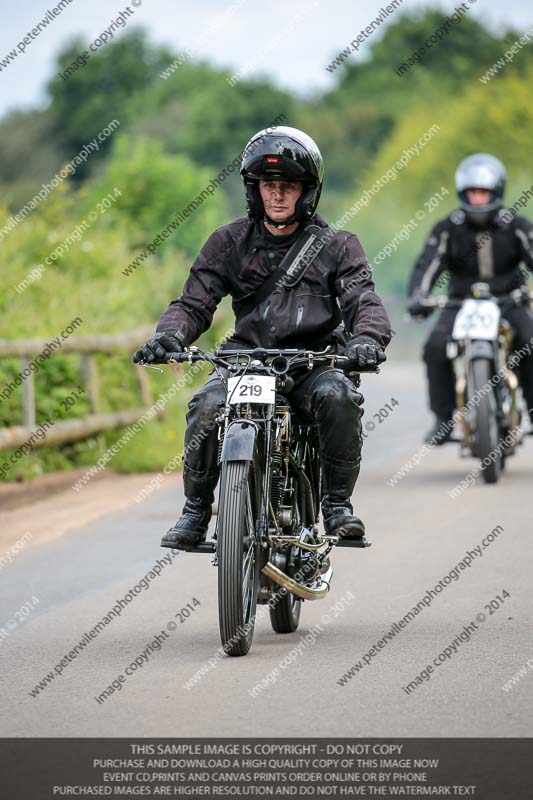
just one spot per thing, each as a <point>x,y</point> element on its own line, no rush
<point>324,396</point>
<point>440,373</point>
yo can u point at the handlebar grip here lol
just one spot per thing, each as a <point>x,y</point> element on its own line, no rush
<point>368,368</point>
<point>351,367</point>
<point>178,357</point>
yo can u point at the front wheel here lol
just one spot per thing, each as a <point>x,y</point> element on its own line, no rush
<point>486,421</point>
<point>238,557</point>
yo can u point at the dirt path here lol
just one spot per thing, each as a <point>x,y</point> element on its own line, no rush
<point>48,507</point>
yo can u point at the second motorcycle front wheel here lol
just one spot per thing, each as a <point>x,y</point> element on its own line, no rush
<point>238,557</point>
<point>487,433</point>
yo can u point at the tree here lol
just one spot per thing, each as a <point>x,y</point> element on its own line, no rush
<point>83,104</point>
<point>154,187</point>
<point>29,155</point>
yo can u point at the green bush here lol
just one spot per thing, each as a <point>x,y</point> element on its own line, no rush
<point>86,281</point>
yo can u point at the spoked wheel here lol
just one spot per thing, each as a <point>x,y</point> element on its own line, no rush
<point>486,422</point>
<point>238,557</point>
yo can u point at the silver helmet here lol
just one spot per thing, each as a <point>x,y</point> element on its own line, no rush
<point>481,171</point>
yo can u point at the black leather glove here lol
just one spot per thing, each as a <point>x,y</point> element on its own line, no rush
<point>363,351</point>
<point>158,347</point>
<point>416,307</point>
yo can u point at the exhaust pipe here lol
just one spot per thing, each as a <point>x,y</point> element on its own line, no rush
<point>299,589</point>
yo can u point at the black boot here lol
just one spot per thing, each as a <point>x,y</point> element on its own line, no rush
<point>339,519</point>
<point>191,528</point>
<point>441,432</point>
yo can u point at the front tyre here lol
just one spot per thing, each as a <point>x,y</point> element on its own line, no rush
<point>238,557</point>
<point>486,421</point>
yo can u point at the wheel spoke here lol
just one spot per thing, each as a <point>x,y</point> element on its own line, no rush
<point>250,526</point>
<point>247,564</point>
<point>248,560</point>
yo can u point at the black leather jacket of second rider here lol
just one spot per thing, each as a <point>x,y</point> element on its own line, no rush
<point>492,254</point>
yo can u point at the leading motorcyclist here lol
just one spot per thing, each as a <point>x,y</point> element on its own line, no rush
<point>480,241</point>
<point>282,170</point>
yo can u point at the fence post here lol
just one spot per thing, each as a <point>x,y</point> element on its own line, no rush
<point>28,396</point>
<point>144,386</point>
<point>92,381</point>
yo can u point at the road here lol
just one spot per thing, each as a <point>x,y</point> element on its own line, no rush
<point>419,535</point>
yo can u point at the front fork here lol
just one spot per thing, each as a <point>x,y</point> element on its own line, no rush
<point>265,458</point>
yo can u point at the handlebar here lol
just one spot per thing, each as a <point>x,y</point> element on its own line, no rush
<point>192,354</point>
<point>295,357</point>
<point>517,296</point>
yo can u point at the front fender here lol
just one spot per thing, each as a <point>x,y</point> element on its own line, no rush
<point>481,349</point>
<point>239,441</point>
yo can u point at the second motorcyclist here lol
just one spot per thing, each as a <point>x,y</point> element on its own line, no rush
<point>480,241</point>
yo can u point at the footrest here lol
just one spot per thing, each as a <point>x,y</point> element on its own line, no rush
<point>353,543</point>
<point>203,547</point>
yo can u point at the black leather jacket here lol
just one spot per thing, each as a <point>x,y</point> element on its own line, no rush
<point>237,258</point>
<point>470,254</point>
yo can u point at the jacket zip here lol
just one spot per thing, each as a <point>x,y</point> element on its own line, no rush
<point>299,315</point>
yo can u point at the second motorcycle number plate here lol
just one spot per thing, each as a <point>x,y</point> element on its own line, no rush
<point>477,319</point>
<point>252,389</point>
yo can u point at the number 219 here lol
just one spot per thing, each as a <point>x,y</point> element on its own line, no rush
<point>250,389</point>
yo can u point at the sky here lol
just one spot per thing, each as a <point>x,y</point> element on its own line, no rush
<point>291,42</point>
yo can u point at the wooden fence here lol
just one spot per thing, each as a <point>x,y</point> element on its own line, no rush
<point>96,421</point>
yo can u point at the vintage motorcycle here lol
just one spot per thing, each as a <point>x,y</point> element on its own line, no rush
<point>488,396</point>
<point>266,546</point>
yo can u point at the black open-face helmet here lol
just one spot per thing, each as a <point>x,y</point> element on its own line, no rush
<point>282,153</point>
<point>481,171</point>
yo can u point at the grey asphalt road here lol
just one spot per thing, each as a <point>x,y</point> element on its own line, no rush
<point>419,535</point>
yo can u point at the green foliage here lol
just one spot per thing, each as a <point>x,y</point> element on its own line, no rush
<point>29,155</point>
<point>84,103</point>
<point>356,118</point>
<point>459,56</point>
<point>87,281</point>
<point>494,117</point>
<point>196,111</point>
<point>153,186</point>
<point>176,134</point>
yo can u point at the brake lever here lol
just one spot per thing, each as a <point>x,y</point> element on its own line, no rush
<point>149,366</point>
